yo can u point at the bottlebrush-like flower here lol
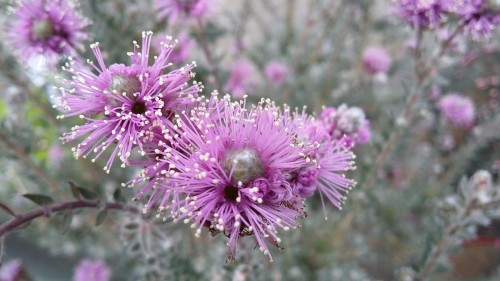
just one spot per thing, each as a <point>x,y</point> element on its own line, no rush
<point>120,102</point>
<point>327,161</point>
<point>376,60</point>
<point>241,79</point>
<point>176,9</point>
<point>479,17</point>
<point>12,271</point>
<point>422,13</point>
<point>92,270</point>
<point>346,123</point>
<point>46,27</point>
<point>277,72</point>
<point>458,110</point>
<point>230,168</point>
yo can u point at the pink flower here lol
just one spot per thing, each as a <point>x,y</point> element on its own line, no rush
<point>175,10</point>
<point>376,60</point>
<point>241,79</point>
<point>458,110</point>
<point>277,72</point>
<point>89,270</point>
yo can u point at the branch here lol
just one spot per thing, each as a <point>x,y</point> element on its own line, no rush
<point>22,219</point>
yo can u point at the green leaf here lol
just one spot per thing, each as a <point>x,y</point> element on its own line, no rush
<point>39,199</point>
<point>117,195</point>
<point>131,226</point>
<point>101,217</point>
<point>87,194</point>
<point>66,221</point>
<point>74,190</point>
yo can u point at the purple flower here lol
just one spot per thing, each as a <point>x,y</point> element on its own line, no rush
<point>422,13</point>
<point>177,9</point>
<point>328,159</point>
<point>120,102</point>
<point>46,27</point>
<point>241,79</point>
<point>12,271</point>
<point>347,123</point>
<point>376,60</point>
<point>181,51</point>
<point>277,72</point>
<point>479,17</point>
<point>458,110</point>
<point>92,270</point>
<point>230,168</point>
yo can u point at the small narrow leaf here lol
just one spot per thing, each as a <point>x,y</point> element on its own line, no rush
<point>74,190</point>
<point>117,195</point>
<point>66,221</point>
<point>101,217</point>
<point>87,194</point>
<point>6,209</point>
<point>39,199</point>
<point>131,226</point>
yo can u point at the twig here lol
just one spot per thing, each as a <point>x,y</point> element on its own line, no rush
<point>22,219</point>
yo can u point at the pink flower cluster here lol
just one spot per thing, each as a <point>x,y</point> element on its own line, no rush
<point>346,123</point>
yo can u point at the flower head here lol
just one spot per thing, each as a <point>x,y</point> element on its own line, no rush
<point>12,271</point>
<point>458,110</point>
<point>277,72</point>
<point>241,78</point>
<point>177,9</point>
<point>92,270</point>
<point>479,17</point>
<point>229,167</point>
<point>346,123</point>
<point>327,162</point>
<point>376,60</point>
<point>46,27</point>
<point>422,13</point>
<point>120,102</point>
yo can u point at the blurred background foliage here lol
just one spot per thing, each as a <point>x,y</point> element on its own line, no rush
<point>387,230</point>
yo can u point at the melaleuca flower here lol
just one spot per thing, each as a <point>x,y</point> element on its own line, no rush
<point>241,78</point>
<point>229,167</point>
<point>177,9</point>
<point>120,102</point>
<point>183,47</point>
<point>46,27</point>
<point>479,17</point>
<point>92,270</point>
<point>346,123</point>
<point>327,162</point>
<point>12,271</point>
<point>376,60</point>
<point>458,110</point>
<point>277,72</point>
<point>422,13</point>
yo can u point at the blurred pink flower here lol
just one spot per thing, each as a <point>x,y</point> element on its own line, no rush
<point>277,72</point>
<point>458,110</point>
<point>376,60</point>
<point>241,79</point>
<point>92,270</point>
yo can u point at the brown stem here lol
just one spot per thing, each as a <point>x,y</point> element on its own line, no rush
<point>22,219</point>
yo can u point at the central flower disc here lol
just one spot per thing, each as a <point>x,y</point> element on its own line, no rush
<point>245,165</point>
<point>42,29</point>
<point>123,84</point>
